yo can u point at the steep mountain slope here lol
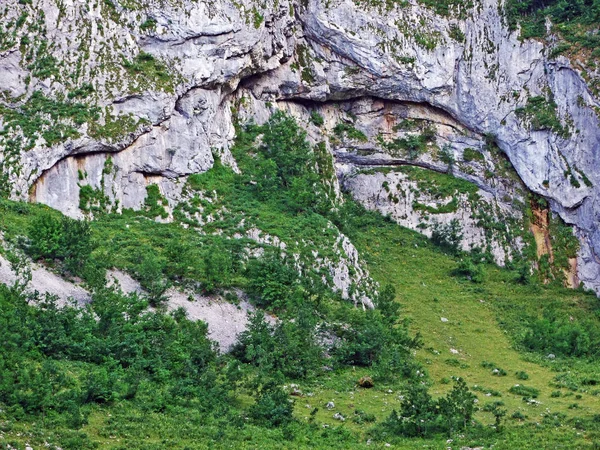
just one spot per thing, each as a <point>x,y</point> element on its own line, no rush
<point>117,375</point>
<point>158,86</point>
<point>281,157</point>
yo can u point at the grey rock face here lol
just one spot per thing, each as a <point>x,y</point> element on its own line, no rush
<point>403,159</point>
<point>175,108</point>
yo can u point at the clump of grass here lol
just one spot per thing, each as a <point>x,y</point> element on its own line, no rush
<point>525,391</point>
<point>487,391</point>
<point>541,114</point>
<point>495,369</point>
<point>316,118</point>
<point>347,130</point>
<point>470,154</point>
<point>522,375</point>
<point>518,415</point>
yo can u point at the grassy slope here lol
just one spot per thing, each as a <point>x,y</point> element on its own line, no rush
<point>428,292</point>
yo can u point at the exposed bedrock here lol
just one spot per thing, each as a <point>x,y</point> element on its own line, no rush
<point>367,68</point>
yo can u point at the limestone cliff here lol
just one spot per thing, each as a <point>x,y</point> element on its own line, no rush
<point>101,99</point>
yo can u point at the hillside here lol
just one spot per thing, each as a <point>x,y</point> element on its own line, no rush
<point>299,224</point>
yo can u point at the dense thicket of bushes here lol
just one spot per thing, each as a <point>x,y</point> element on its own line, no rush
<point>64,239</point>
<point>562,336</point>
<point>58,359</point>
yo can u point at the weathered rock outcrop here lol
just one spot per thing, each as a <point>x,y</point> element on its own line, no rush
<point>157,87</point>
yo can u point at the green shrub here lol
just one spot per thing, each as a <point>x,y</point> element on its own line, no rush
<point>148,24</point>
<point>413,145</point>
<point>149,271</point>
<point>572,17</point>
<point>541,114</point>
<point>552,334</point>
<point>491,392</point>
<point>66,240</point>
<point>148,70</point>
<point>496,370</point>
<point>221,259</point>
<point>56,359</point>
<point>366,339</point>
<point>447,236</point>
<point>456,33</point>
<point>46,237</point>
<point>525,391</point>
<point>470,270</point>
<point>521,375</point>
<point>361,417</point>
<point>347,130</point>
<point>316,118</point>
<point>518,415</point>
<point>421,416</point>
<point>272,281</point>
<point>154,203</point>
<point>489,407</point>
<point>470,154</point>
<point>273,407</point>
<point>386,303</point>
<point>285,143</point>
<point>290,347</point>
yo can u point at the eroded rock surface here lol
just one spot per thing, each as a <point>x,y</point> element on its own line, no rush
<point>158,87</point>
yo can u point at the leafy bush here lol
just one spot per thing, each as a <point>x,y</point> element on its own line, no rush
<point>290,347</point>
<point>421,416</point>
<point>470,154</point>
<point>531,14</point>
<point>560,336</point>
<point>518,415</point>
<point>347,130</point>
<point>107,351</point>
<point>364,338</point>
<point>66,240</point>
<point>386,303</point>
<point>285,144</point>
<point>316,118</point>
<point>361,417</point>
<point>413,145</point>
<point>470,270</point>
<point>154,203</point>
<point>219,260</point>
<point>541,114</point>
<point>521,375</point>
<point>46,237</point>
<point>496,370</point>
<point>272,282</point>
<point>273,407</point>
<point>149,270</point>
<point>447,236</point>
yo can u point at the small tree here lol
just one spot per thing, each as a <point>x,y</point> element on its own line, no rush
<point>448,236</point>
<point>386,303</point>
<point>271,281</point>
<point>218,267</point>
<point>45,235</point>
<point>66,240</point>
<point>417,413</point>
<point>470,270</point>
<point>273,407</point>
<point>149,272</point>
<point>457,407</point>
